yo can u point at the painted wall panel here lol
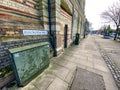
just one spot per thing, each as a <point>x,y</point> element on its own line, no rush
<point>28,61</point>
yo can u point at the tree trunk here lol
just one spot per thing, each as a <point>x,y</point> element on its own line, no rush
<point>116,34</point>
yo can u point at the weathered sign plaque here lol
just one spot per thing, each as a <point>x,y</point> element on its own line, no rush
<point>28,61</point>
<point>35,32</point>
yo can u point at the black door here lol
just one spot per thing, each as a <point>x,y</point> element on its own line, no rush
<point>65,36</point>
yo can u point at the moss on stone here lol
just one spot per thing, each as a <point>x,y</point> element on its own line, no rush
<point>5,71</point>
<point>65,7</point>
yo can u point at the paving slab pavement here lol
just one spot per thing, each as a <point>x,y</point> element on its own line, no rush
<point>62,69</point>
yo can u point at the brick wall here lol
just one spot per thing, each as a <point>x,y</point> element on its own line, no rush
<point>15,16</point>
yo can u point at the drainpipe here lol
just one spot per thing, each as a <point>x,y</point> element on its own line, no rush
<point>52,35</point>
<point>78,23</point>
<point>81,27</point>
<point>72,24</point>
<point>85,27</point>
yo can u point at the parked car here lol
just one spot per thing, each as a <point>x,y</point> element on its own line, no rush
<point>106,37</point>
<point>113,35</point>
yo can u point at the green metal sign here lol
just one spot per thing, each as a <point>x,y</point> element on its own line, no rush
<point>28,61</point>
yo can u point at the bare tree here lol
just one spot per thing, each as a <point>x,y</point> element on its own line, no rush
<point>113,15</point>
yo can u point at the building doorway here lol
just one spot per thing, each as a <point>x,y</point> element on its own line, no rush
<point>65,35</point>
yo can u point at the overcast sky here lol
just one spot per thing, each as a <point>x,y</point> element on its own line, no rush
<point>93,10</point>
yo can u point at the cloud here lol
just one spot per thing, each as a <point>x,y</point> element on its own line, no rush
<point>93,10</point>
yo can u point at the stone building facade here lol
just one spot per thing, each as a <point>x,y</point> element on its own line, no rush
<point>19,15</point>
